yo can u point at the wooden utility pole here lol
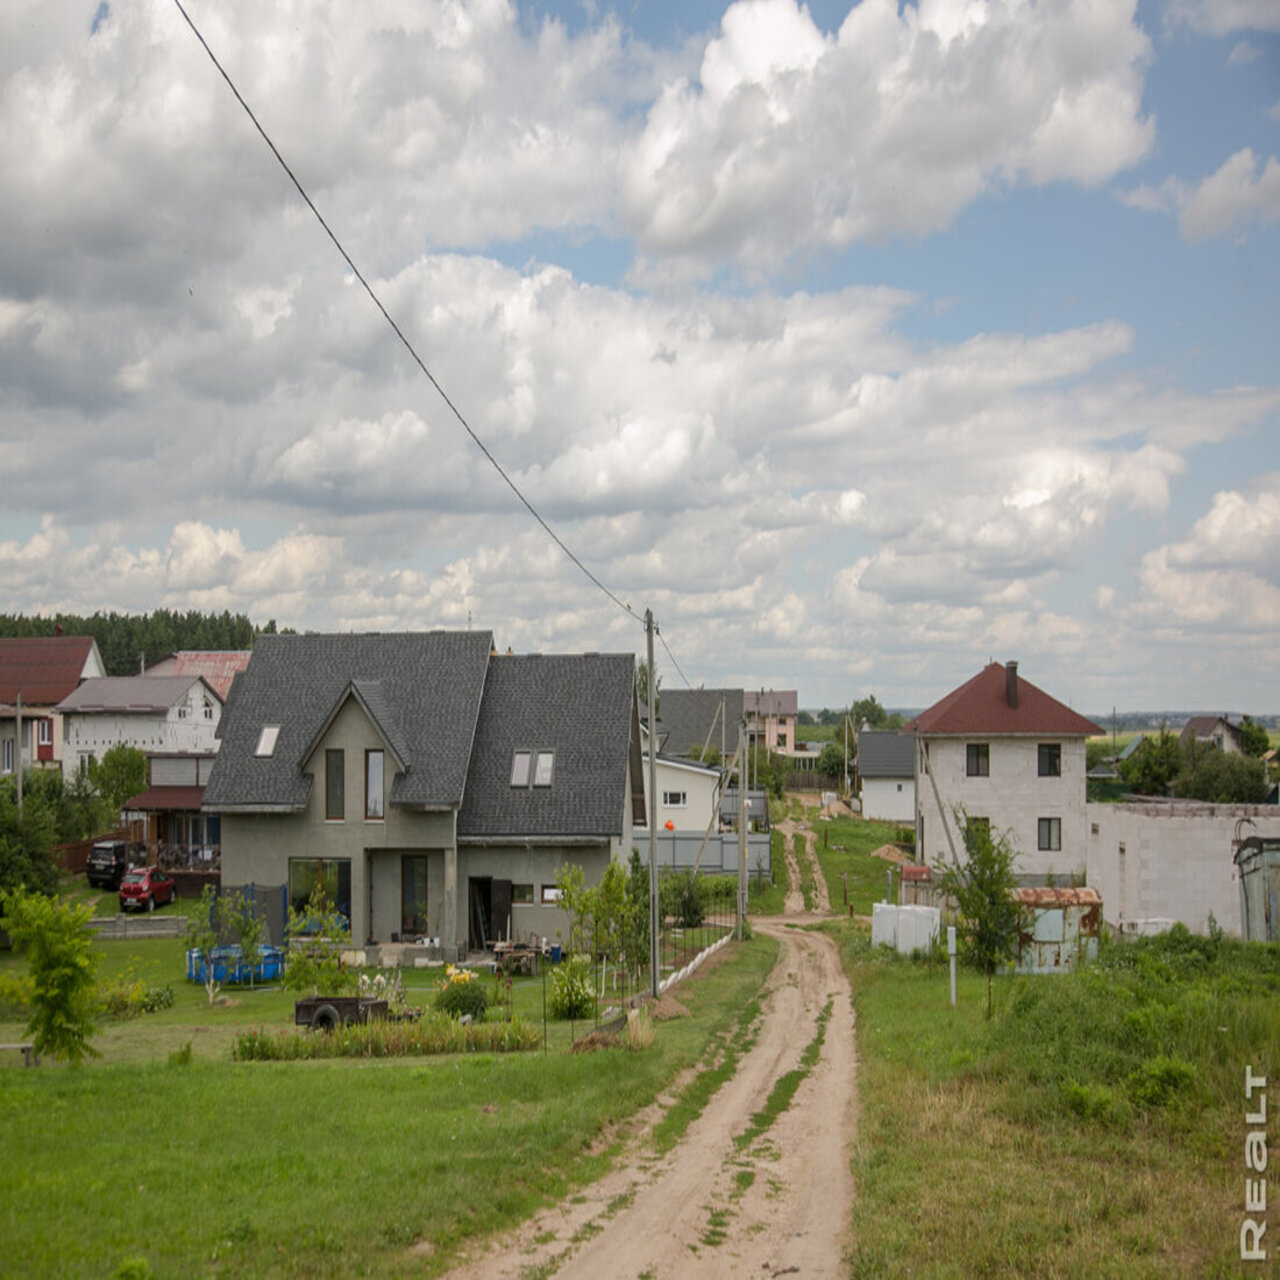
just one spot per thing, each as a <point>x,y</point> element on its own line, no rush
<point>654,949</point>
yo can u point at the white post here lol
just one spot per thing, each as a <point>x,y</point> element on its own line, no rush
<point>951,951</point>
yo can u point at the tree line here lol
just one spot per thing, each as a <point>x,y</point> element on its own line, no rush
<point>127,642</point>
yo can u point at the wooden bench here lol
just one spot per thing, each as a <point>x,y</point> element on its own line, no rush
<point>29,1054</point>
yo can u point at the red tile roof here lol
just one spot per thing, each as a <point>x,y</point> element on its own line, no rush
<point>981,706</point>
<point>43,668</point>
<point>218,666</point>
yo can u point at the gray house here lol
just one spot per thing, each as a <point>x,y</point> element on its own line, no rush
<point>433,787</point>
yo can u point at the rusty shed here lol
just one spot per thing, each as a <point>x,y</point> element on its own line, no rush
<point>1059,930</point>
<point>1258,859</point>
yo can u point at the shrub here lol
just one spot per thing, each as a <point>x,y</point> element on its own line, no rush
<point>681,897</point>
<point>461,994</point>
<point>1158,1082</point>
<point>132,999</point>
<point>433,1033</point>
<point>572,995</point>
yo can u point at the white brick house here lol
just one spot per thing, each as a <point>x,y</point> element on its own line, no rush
<point>1002,750</point>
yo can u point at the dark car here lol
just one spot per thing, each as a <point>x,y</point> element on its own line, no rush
<point>108,862</point>
<point>147,887</point>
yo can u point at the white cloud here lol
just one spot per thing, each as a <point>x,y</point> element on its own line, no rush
<point>1242,191</point>
<point>1221,17</point>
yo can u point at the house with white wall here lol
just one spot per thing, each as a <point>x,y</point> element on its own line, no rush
<point>158,715</point>
<point>1158,862</point>
<point>1000,750</point>
<point>36,673</point>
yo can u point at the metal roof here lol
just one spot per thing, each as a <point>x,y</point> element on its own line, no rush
<point>44,669</point>
<point>886,754</point>
<point>981,706</point>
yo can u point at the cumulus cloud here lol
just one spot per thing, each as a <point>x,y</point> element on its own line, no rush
<point>1244,190</point>
<point>788,140</point>
<point>1221,17</point>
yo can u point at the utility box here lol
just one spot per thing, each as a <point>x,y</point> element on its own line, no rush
<point>906,929</point>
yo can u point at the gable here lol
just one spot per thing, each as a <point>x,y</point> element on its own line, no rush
<point>45,669</point>
<point>983,706</point>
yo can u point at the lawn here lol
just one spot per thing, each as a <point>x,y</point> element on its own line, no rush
<point>164,1163</point>
<point>855,879</point>
<point>1093,1128</point>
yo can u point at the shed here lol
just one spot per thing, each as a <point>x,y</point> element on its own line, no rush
<point>1259,861</point>
<point>1059,929</point>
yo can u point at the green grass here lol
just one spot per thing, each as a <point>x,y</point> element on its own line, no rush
<point>800,844</point>
<point>328,1168</point>
<point>1057,1139</point>
<point>844,847</point>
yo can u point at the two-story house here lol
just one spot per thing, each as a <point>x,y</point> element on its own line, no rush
<point>431,786</point>
<point>1002,751</point>
<point>36,674</point>
<point>159,715</point>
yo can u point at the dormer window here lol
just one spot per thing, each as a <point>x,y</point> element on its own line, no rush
<point>532,768</point>
<point>267,740</point>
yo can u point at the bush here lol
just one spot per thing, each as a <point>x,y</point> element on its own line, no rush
<point>461,994</point>
<point>131,999</point>
<point>433,1033</point>
<point>571,991</point>
<point>681,897</point>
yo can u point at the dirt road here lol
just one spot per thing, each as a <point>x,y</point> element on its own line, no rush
<point>777,1206</point>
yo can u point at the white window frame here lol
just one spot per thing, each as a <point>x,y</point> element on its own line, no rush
<point>675,799</point>
<point>267,740</point>
<point>44,733</point>
<point>6,756</point>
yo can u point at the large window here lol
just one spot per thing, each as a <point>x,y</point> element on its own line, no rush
<point>45,733</point>
<point>373,785</point>
<point>413,894</point>
<point>1049,834</point>
<point>332,875</point>
<point>1050,759</point>
<point>977,759</point>
<point>334,805</point>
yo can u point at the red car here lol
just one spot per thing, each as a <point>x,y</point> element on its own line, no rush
<point>147,887</point>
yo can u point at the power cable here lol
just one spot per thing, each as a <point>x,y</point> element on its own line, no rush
<point>408,346</point>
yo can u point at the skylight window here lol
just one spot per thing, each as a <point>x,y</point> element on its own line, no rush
<point>267,740</point>
<point>545,767</point>
<point>520,763</point>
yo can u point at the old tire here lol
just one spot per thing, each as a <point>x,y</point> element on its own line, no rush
<point>151,903</point>
<point>326,1018</point>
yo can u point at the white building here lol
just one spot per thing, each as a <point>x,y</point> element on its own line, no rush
<point>886,775</point>
<point>1002,751</point>
<point>1159,862</point>
<point>161,715</point>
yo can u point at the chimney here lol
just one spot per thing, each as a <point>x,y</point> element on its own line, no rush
<point>1011,683</point>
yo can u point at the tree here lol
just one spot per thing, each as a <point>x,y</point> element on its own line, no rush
<point>1254,739</point>
<point>55,938</point>
<point>316,938</point>
<point>983,891</point>
<point>26,842</point>
<point>1222,778</point>
<point>868,711</point>
<point>831,760</point>
<point>120,774</point>
<point>1151,769</point>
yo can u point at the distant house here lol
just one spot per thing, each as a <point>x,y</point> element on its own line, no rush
<point>887,775</point>
<point>218,667</point>
<point>39,671</point>
<point>165,715</point>
<point>771,719</point>
<point>1212,731</point>
<point>431,787</point>
<point>1004,752</point>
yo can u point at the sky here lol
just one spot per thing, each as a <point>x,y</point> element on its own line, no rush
<point>861,344</point>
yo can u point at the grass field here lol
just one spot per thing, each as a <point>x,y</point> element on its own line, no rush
<point>1093,1128</point>
<point>854,878</point>
<point>146,1161</point>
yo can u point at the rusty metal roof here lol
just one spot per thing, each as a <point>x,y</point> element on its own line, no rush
<point>1045,897</point>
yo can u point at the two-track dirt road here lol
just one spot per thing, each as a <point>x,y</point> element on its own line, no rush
<point>779,1206</point>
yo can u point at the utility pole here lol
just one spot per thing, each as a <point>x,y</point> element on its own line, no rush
<point>653,810</point>
<point>742,836</point>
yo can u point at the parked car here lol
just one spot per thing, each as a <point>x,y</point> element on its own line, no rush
<point>147,887</point>
<point>108,862</point>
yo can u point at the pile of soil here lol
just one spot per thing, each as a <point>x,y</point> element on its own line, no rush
<point>891,853</point>
<point>594,1040</point>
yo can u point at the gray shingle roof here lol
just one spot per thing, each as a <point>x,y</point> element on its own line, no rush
<point>423,689</point>
<point>136,694</point>
<point>685,716</point>
<point>578,705</point>
<point>886,754</point>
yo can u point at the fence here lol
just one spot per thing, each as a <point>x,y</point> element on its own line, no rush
<point>269,903</point>
<point>678,849</point>
<point>122,927</point>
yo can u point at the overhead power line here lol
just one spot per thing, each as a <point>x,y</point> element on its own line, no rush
<point>408,346</point>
